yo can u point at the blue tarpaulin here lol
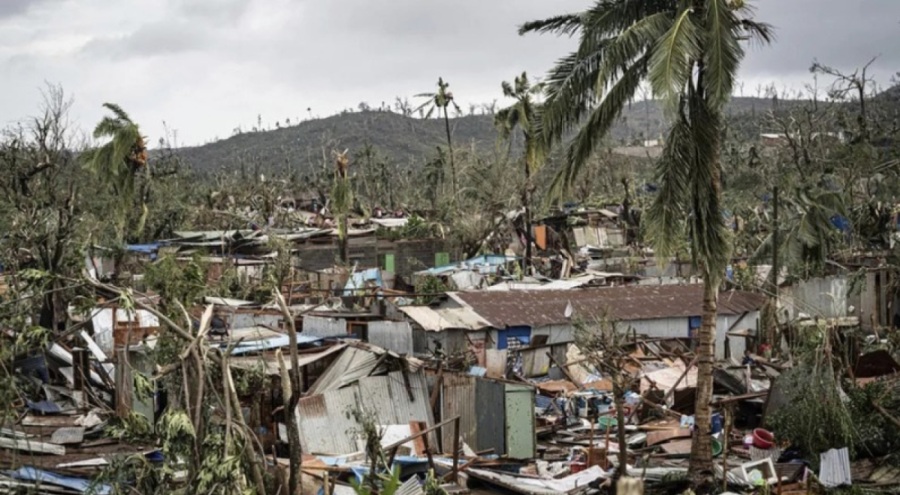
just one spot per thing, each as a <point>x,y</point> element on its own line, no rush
<point>81,485</point>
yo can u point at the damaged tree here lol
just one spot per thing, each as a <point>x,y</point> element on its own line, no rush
<point>603,344</point>
<point>525,115</point>
<point>690,54</point>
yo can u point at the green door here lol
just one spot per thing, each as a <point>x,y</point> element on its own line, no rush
<point>519,409</point>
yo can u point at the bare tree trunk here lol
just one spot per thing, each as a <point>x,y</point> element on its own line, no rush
<point>619,399</point>
<point>292,397</point>
<point>526,201</point>
<point>450,152</point>
<point>701,468</point>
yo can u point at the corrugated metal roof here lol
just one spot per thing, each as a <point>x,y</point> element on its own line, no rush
<point>349,367</point>
<point>627,303</point>
<point>327,428</point>
<point>392,335</point>
<point>270,364</point>
<point>435,320</point>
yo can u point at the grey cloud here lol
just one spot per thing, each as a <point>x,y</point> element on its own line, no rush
<point>216,11</point>
<point>150,40</point>
<point>278,57</point>
<point>10,8</point>
<point>845,34</point>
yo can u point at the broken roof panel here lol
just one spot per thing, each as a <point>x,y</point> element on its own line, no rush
<point>436,320</point>
<point>271,367</point>
<point>627,303</point>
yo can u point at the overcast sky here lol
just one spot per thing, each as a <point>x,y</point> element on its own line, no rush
<point>206,66</point>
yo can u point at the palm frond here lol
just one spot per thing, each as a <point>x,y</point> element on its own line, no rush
<point>567,24</point>
<point>665,219</point>
<point>723,52</point>
<point>570,94</point>
<point>117,111</point>
<point>759,32</point>
<point>633,42</point>
<point>711,238</point>
<point>673,59</point>
<point>614,16</point>
<point>597,125</point>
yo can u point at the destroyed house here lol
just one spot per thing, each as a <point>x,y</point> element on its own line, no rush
<point>522,319</point>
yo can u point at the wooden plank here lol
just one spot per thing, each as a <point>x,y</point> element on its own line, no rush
<point>98,353</point>
<point>31,446</point>
<point>68,436</point>
<point>660,436</point>
<point>53,421</point>
<point>678,447</point>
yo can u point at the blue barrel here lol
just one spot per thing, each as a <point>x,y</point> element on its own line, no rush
<point>717,423</point>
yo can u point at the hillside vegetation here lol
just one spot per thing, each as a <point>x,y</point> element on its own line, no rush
<point>406,140</point>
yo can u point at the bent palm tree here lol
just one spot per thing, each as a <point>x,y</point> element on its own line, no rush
<point>525,115</point>
<point>689,51</point>
<point>441,101</point>
<point>118,161</point>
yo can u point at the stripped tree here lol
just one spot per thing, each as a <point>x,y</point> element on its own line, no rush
<point>689,51</point>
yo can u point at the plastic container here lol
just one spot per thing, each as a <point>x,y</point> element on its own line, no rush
<point>716,448</point>
<point>607,422</point>
<point>763,439</point>
<point>717,423</point>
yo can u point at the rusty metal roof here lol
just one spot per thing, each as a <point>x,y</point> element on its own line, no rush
<point>627,303</point>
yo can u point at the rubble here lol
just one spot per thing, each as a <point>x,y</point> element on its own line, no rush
<point>488,387</point>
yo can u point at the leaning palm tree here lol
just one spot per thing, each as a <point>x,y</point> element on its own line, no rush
<point>689,51</point>
<point>441,101</point>
<point>524,114</point>
<point>118,162</point>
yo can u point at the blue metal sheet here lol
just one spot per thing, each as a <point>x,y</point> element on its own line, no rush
<point>81,485</point>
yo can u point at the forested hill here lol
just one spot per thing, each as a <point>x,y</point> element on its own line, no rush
<point>406,140</point>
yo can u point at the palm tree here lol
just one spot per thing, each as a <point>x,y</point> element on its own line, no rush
<point>441,101</point>
<point>689,51</point>
<point>525,115</point>
<point>119,161</point>
<point>342,201</point>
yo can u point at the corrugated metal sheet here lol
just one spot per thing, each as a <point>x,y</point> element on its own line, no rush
<point>325,427</point>
<point>458,399</point>
<point>244,319</point>
<point>271,366</point>
<point>392,335</point>
<point>323,326</point>
<point>490,422</point>
<point>324,422</point>
<point>548,307</point>
<point>435,320</point>
<point>352,365</point>
<point>519,409</point>
<point>817,297</point>
<point>834,468</point>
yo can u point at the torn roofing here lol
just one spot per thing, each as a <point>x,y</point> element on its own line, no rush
<point>628,303</point>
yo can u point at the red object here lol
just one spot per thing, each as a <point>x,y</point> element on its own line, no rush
<point>763,439</point>
<point>577,467</point>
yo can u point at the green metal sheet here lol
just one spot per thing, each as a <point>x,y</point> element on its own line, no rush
<point>519,409</point>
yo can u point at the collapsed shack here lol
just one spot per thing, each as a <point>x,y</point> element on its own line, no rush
<point>460,390</point>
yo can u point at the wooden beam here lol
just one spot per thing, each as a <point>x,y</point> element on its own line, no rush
<point>419,434</point>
